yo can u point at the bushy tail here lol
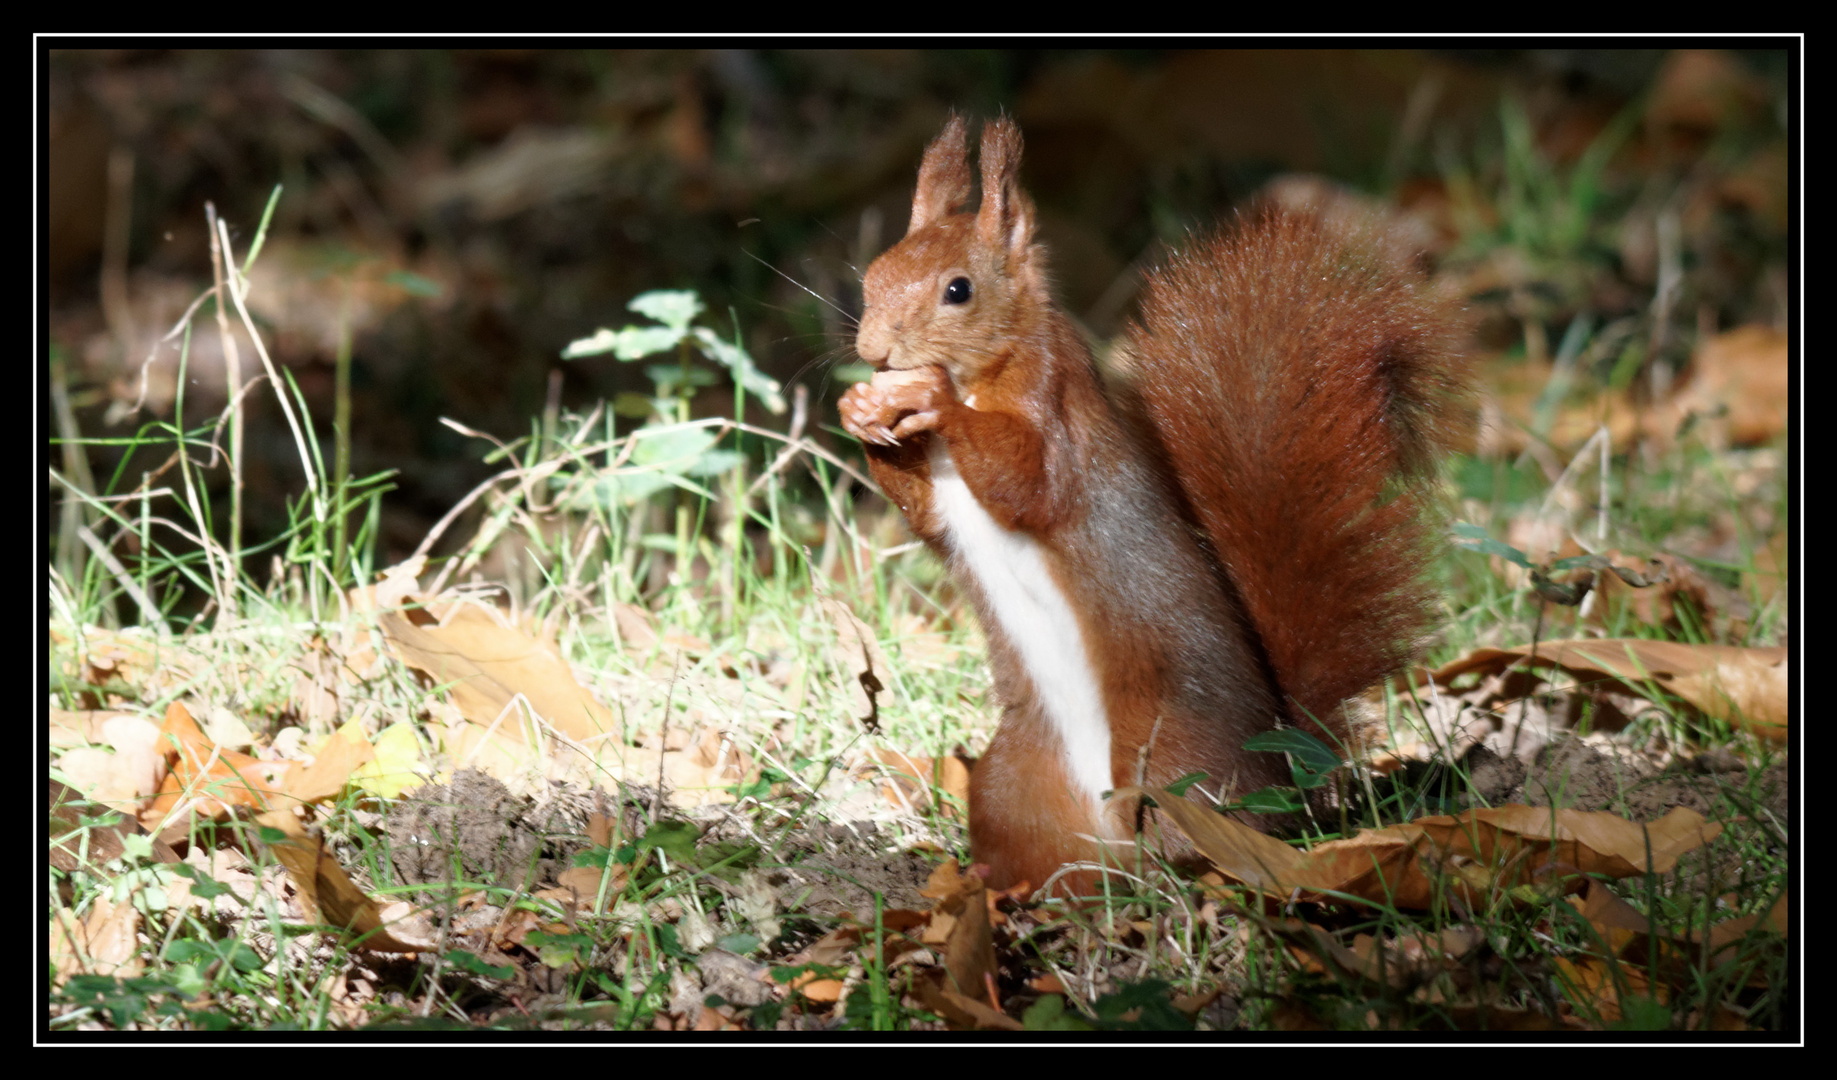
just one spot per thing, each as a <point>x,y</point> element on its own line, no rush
<point>1304,386</point>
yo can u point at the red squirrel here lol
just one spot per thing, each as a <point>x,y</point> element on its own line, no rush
<point>1233,542</point>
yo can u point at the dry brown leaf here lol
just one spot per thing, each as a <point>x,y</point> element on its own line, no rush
<point>205,778</point>
<point>1594,842</point>
<point>636,627</point>
<point>126,654</point>
<point>1046,984</point>
<point>1476,853</point>
<point>834,949</point>
<point>692,776</point>
<point>599,830</point>
<point>226,866</point>
<point>1627,936</point>
<point>831,950</point>
<point>1739,383</point>
<point>122,776</point>
<point>1737,389</point>
<point>717,1018</point>
<point>858,658</point>
<point>324,887</point>
<point>332,767</point>
<point>961,1012</point>
<point>722,757</point>
<point>111,938</point>
<point>485,665</point>
<point>583,882</point>
<point>106,941</point>
<point>1253,858</point>
<point>913,779</point>
<point>1415,957</point>
<point>1318,953</point>
<point>1747,687</point>
<point>84,727</point>
<point>982,1016</point>
<point>1600,983</point>
<point>502,754</point>
<point>1656,604</point>
<point>70,840</point>
<point>322,675</point>
<point>962,916</point>
<point>397,586</point>
<point>1514,392</point>
<point>818,988</point>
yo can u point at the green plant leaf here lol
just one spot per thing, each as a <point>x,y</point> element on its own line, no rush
<point>466,961</point>
<point>1305,749</point>
<point>757,383</point>
<point>672,444</point>
<point>593,858</point>
<point>1050,1014</point>
<point>1178,787</point>
<point>1148,1006</point>
<point>714,463</point>
<point>203,885</point>
<point>631,343</point>
<point>558,950</point>
<point>740,944</point>
<point>1272,800</point>
<point>1474,538</point>
<point>674,838</point>
<point>675,308</point>
<point>412,283</point>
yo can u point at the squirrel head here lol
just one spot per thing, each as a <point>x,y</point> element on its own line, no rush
<point>960,288</point>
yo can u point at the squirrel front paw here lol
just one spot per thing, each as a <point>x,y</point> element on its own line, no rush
<point>896,405</point>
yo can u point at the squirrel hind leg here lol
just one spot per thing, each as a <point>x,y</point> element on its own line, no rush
<point>1028,818</point>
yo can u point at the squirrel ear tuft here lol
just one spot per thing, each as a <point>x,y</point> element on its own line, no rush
<point>1006,218</point>
<point>944,177</point>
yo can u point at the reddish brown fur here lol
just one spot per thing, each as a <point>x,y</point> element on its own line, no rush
<point>1305,445</point>
<point>1292,385</point>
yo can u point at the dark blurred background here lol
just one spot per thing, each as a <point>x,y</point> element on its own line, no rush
<point>466,214</point>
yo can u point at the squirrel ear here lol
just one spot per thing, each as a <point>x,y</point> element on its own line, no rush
<point>944,177</point>
<point>1005,221</point>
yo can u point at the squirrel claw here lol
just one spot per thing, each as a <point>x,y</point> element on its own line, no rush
<point>916,422</point>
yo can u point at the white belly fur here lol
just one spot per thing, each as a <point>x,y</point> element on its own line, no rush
<point>1036,619</point>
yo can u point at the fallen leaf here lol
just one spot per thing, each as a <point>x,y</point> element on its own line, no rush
<point>395,766</point>
<point>206,779</point>
<point>1046,984</point>
<point>583,882</point>
<point>983,1016</point>
<point>1478,853</point>
<point>599,830</point>
<point>83,727</point>
<point>332,765</point>
<point>398,584</point>
<point>1747,687</point>
<point>913,779</point>
<point>325,888</point>
<point>70,840</point>
<point>635,626</point>
<point>486,666</point>
<point>106,941</point>
<point>126,773</point>
<point>962,909</point>
<point>817,988</point>
<point>1739,383</point>
<point>833,949</point>
<point>859,660</point>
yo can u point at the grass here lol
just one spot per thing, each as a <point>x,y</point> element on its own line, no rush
<point>736,565</point>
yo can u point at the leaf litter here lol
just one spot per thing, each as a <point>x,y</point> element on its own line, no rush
<point>518,856</point>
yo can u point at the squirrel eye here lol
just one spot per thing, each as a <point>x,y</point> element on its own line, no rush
<point>958,291</point>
